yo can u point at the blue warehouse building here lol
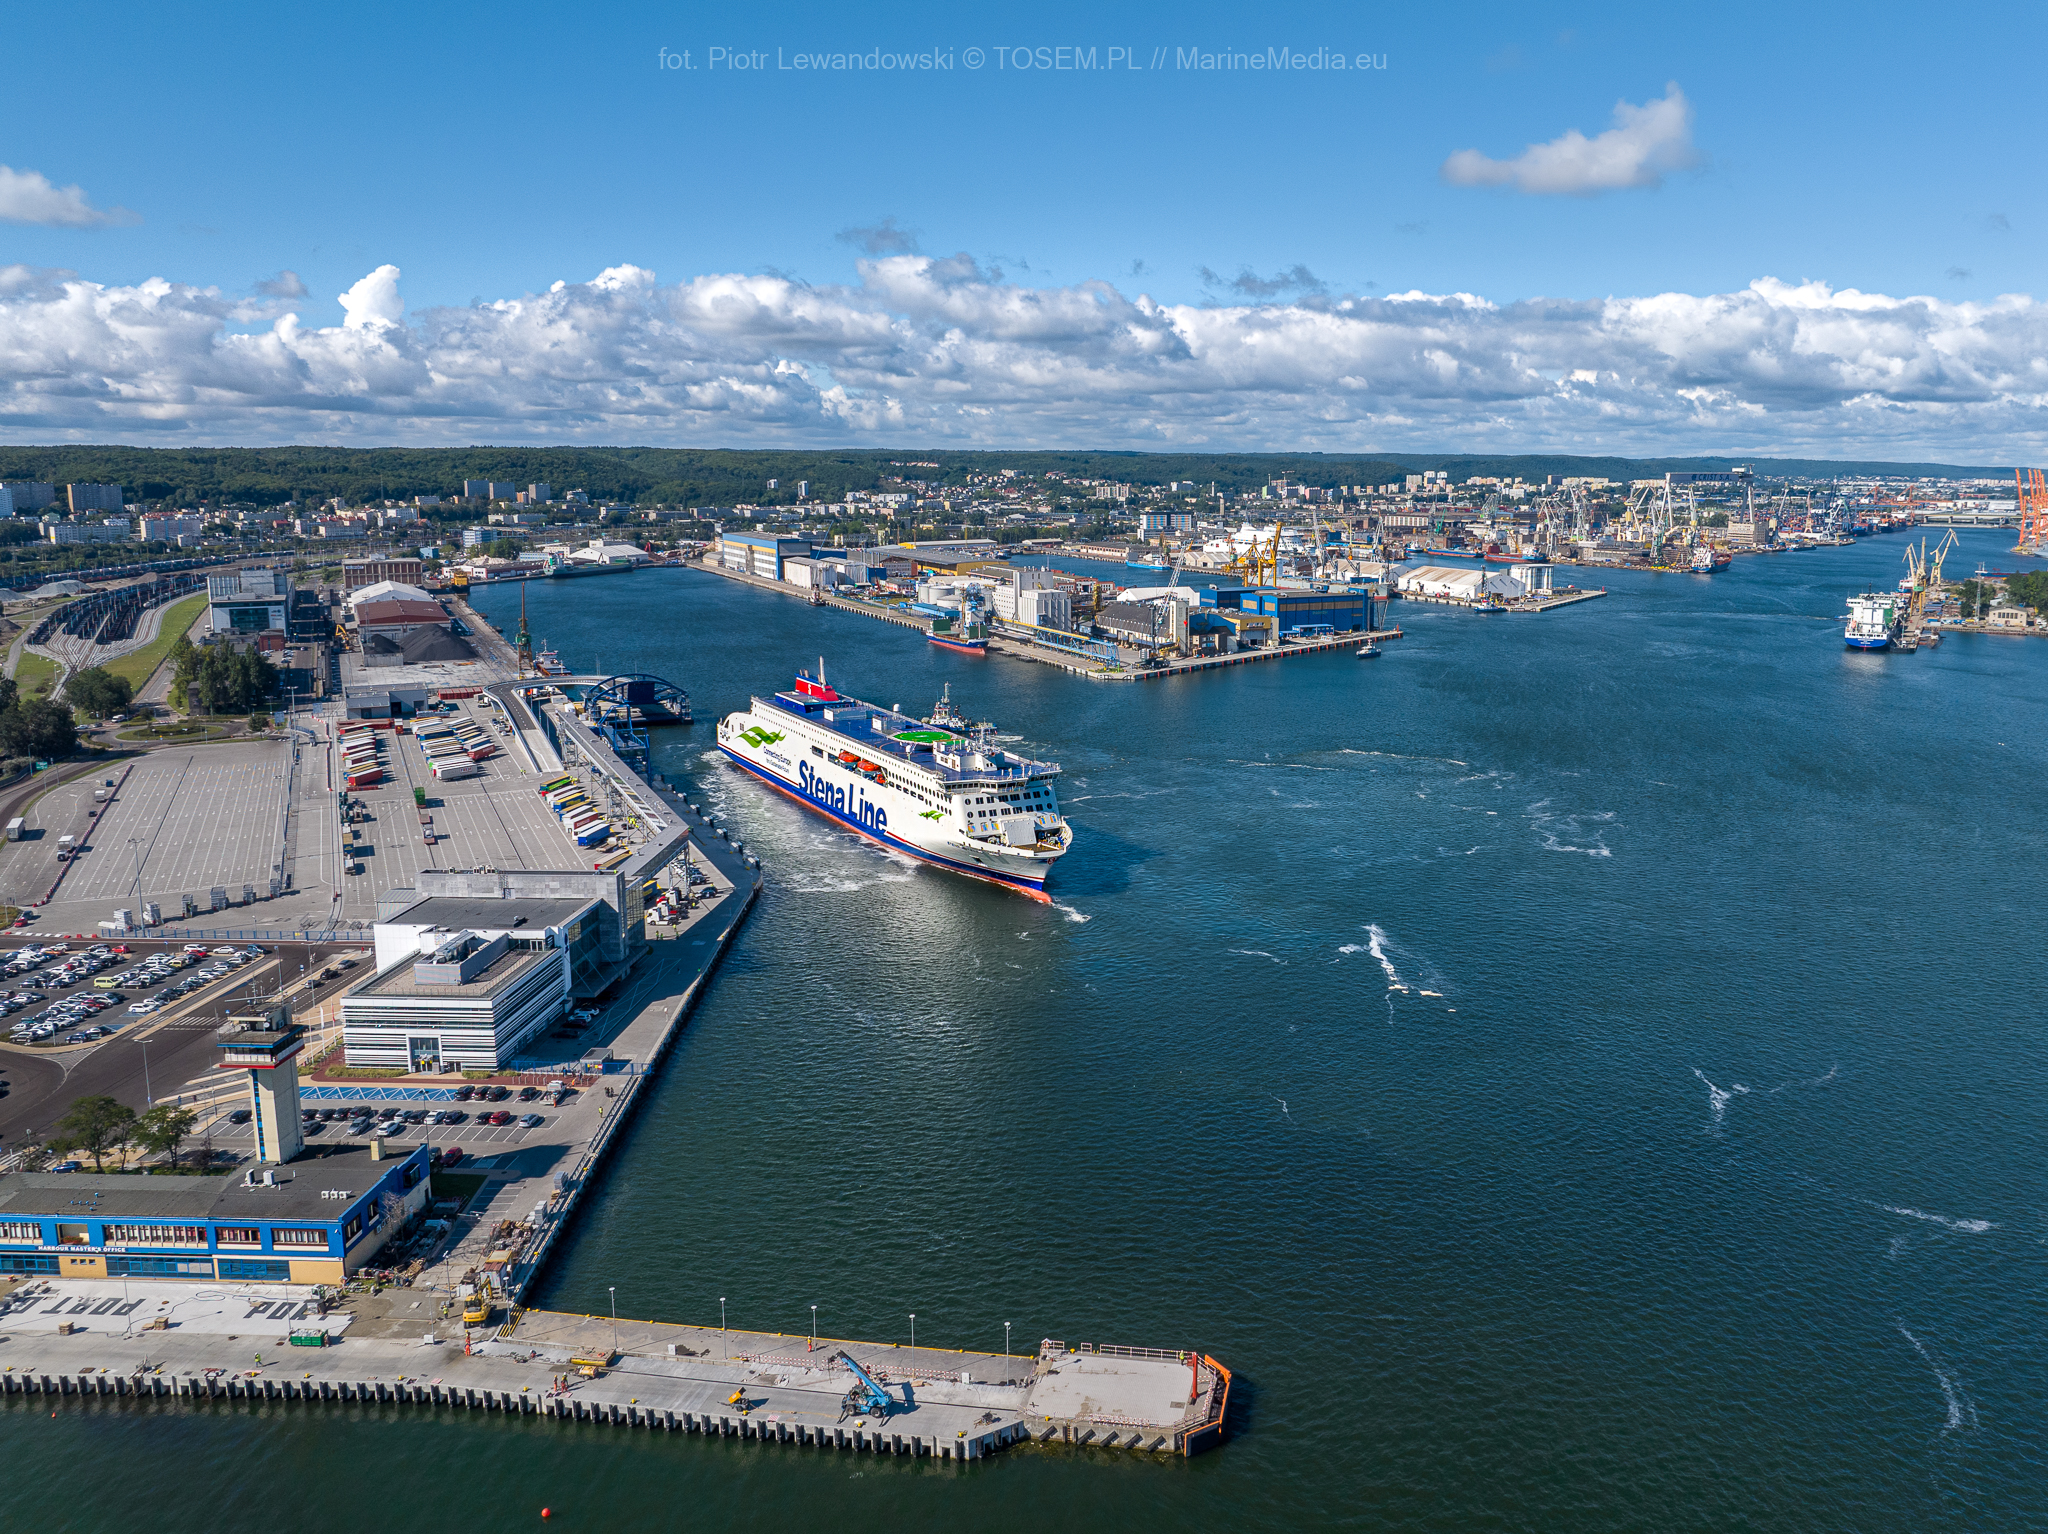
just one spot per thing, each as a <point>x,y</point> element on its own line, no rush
<point>1289,608</point>
<point>313,1221</point>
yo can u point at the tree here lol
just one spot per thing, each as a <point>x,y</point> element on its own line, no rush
<point>37,728</point>
<point>163,1129</point>
<point>216,679</point>
<point>94,1125</point>
<point>98,691</point>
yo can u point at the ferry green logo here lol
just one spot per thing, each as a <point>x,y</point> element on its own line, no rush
<point>931,815</point>
<point>758,737</point>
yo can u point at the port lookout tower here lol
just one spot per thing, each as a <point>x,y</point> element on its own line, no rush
<point>266,1046</point>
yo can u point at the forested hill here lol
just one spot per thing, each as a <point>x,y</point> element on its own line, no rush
<point>689,476</point>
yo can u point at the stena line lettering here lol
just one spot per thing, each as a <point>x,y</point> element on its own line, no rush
<point>842,798</point>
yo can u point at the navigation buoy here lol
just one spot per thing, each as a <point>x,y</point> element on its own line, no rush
<point>546,1513</point>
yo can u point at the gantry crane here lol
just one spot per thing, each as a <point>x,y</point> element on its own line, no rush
<point>2033,512</point>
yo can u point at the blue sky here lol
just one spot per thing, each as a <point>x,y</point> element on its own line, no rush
<point>488,154</point>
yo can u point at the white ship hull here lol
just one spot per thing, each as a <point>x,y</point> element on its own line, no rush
<point>1872,624</point>
<point>991,818</point>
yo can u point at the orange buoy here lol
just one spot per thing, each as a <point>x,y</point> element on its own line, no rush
<point>545,1513</point>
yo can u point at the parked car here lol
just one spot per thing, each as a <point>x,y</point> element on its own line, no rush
<point>239,1116</point>
<point>501,1117</point>
<point>528,1094</point>
<point>532,1120</point>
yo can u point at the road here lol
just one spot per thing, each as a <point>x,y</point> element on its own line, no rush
<point>156,1056</point>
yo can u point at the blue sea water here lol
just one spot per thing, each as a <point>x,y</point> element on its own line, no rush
<point>1580,1071</point>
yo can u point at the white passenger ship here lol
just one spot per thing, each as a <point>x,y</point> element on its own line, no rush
<point>939,789</point>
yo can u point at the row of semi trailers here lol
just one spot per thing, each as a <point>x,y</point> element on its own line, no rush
<point>580,819</point>
<point>453,748</point>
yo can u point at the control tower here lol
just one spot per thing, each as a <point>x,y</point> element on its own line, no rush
<point>266,1046</point>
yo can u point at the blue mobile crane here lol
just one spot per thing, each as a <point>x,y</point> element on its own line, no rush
<point>868,1397</point>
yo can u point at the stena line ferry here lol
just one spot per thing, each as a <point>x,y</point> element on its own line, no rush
<point>939,789</point>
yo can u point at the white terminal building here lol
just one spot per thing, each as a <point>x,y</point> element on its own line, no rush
<point>465,983</point>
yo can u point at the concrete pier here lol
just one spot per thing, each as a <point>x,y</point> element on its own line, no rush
<point>1094,671</point>
<point>943,1404</point>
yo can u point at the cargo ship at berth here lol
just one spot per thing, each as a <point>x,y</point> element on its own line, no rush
<point>939,789</point>
<point>1873,622</point>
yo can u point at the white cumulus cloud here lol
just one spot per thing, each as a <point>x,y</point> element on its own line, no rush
<point>374,301</point>
<point>1645,144</point>
<point>27,197</point>
<point>921,350</point>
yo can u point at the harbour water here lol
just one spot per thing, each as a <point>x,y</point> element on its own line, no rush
<point>1579,1071</point>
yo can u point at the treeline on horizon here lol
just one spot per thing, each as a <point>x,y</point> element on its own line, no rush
<point>717,477</point>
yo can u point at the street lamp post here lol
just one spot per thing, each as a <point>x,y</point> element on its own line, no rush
<point>725,1337</point>
<point>614,1290</point>
<point>1006,1342</point>
<point>814,1328</point>
<point>913,1331</point>
<point>148,1097</point>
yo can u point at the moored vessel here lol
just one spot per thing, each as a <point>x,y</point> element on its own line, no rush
<point>1873,622</point>
<point>939,789</point>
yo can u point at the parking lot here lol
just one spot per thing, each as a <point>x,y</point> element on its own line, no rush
<point>183,823</point>
<point>398,1114</point>
<point>151,1058</point>
<point>494,820</point>
<point>58,998</point>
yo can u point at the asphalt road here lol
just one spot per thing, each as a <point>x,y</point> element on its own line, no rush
<point>147,1055</point>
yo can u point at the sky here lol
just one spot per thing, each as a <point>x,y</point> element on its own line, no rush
<point>1586,228</point>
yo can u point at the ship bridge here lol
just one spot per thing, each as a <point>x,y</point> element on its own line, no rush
<point>885,735</point>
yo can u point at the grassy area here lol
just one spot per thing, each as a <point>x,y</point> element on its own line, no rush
<point>365,1072</point>
<point>189,730</point>
<point>141,664</point>
<point>34,673</point>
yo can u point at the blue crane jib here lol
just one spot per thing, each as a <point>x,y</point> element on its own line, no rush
<point>868,1397</point>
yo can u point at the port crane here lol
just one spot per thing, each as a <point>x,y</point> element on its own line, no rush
<point>1257,559</point>
<point>2033,492</point>
<point>1923,577</point>
<point>868,1397</point>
